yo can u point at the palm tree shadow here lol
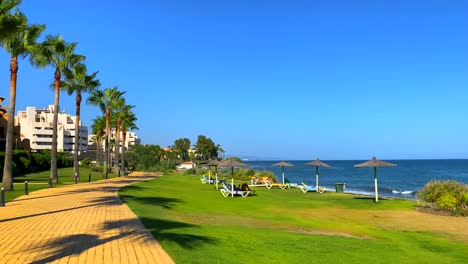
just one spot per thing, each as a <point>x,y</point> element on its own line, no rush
<point>160,229</point>
<point>164,202</point>
<point>78,243</point>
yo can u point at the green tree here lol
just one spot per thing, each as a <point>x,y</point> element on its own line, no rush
<point>56,52</point>
<point>119,110</point>
<point>98,128</point>
<point>9,23</point>
<point>128,122</point>
<point>206,148</point>
<point>19,44</point>
<point>78,81</point>
<point>220,150</point>
<point>104,99</point>
<point>181,147</point>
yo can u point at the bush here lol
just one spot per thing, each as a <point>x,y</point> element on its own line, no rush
<point>190,172</point>
<point>247,174</point>
<point>41,160</point>
<point>268,174</point>
<point>447,201</point>
<point>445,195</point>
<point>100,169</point>
<point>85,162</point>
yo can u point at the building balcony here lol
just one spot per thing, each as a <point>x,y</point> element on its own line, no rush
<point>43,124</point>
<point>42,132</point>
<point>39,139</point>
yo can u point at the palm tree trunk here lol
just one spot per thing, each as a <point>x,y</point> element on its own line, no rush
<point>76,165</point>
<point>108,135</point>
<point>53,162</point>
<point>7,182</point>
<point>117,148</point>
<point>122,156</point>
<point>98,151</point>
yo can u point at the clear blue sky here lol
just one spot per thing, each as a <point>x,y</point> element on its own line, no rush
<point>274,79</point>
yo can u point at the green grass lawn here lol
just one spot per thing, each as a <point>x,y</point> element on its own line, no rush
<point>39,180</point>
<point>195,224</point>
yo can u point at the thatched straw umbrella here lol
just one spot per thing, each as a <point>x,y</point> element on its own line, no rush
<point>283,164</point>
<point>232,164</point>
<point>375,163</point>
<point>317,163</point>
<point>214,163</point>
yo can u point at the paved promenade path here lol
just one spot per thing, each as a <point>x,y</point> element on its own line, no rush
<point>82,223</point>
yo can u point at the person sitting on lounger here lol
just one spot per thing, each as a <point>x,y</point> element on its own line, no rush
<point>245,187</point>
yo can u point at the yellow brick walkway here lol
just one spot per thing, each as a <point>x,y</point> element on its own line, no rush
<point>82,223</point>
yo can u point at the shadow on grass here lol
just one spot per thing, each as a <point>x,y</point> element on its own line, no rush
<point>113,230</point>
<point>159,228</point>
<point>370,198</point>
<point>164,202</point>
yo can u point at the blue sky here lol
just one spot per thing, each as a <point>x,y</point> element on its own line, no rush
<point>273,79</point>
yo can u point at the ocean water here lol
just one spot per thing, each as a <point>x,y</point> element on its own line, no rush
<point>404,180</point>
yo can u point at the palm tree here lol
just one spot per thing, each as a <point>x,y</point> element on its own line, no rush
<point>77,81</point>
<point>98,128</point>
<point>119,109</point>
<point>104,99</point>
<point>9,24</point>
<point>127,122</point>
<point>54,51</point>
<point>19,45</point>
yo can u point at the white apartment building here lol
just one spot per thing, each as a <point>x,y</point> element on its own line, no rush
<point>131,139</point>
<point>36,125</point>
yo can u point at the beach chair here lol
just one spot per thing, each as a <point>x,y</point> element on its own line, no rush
<point>270,184</point>
<point>227,190</point>
<point>206,180</point>
<point>256,182</point>
<point>290,184</point>
<point>308,188</point>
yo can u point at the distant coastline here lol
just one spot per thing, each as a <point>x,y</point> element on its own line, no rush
<point>402,181</point>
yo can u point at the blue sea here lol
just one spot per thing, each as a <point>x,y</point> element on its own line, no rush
<point>404,180</point>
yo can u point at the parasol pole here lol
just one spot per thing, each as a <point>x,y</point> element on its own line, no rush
<point>282,173</point>
<point>376,189</point>
<point>209,174</point>
<point>316,178</point>
<point>216,170</point>
<point>232,181</point>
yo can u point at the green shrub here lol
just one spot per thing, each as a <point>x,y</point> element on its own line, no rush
<point>163,166</point>
<point>447,201</point>
<point>268,174</point>
<point>446,195</point>
<point>85,162</point>
<point>41,160</point>
<point>100,169</point>
<point>190,172</point>
<point>465,199</point>
<point>25,162</point>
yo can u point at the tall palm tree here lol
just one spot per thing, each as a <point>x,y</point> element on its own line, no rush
<point>122,111</point>
<point>104,99</point>
<point>98,128</point>
<point>56,52</point>
<point>19,45</point>
<point>128,123</point>
<point>78,81</point>
<point>117,107</point>
<point>9,24</point>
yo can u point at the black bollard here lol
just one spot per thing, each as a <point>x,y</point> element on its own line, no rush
<point>2,197</point>
<point>26,191</point>
<point>50,183</point>
<point>89,177</point>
